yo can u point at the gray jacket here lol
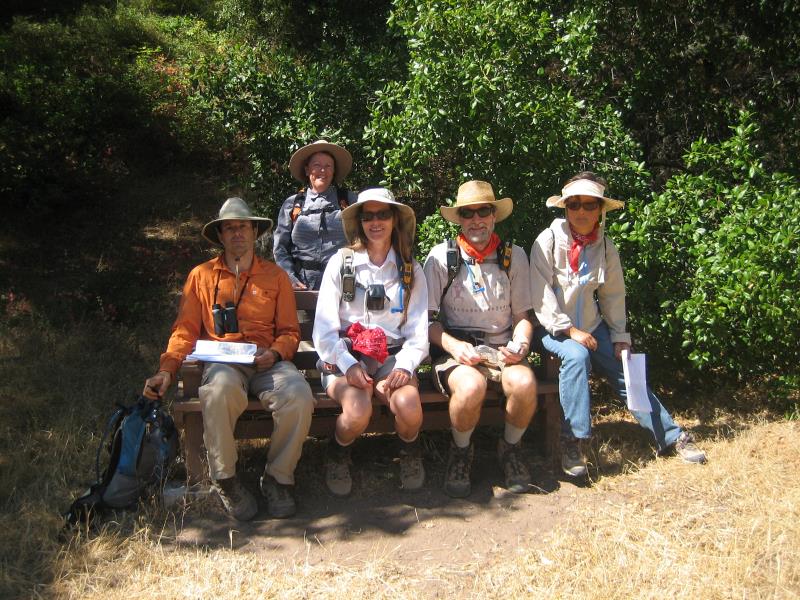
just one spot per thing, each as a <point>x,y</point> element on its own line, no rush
<point>562,298</point>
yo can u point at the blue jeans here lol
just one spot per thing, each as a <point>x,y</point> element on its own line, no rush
<point>577,363</point>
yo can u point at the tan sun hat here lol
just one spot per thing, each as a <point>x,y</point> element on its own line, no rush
<point>234,209</point>
<point>584,187</point>
<point>406,219</point>
<point>477,192</point>
<point>343,161</point>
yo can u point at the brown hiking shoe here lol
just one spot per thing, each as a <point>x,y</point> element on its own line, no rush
<point>573,459</point>
<point>459,464</point>
<point>337,469</point>
<point>412,471</point>
<point>517,475</point>
<point>238,502</point>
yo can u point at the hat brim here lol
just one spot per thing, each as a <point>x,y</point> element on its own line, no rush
<point>502,210</point>
<point>211,233</point>
<point>608,203</point>
<point>342,158</point>
<point>406,220</point>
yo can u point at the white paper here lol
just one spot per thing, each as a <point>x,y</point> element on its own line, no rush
<point>226,352</point>
<point>635,370</point>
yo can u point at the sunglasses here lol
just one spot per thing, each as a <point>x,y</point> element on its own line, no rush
<point>381,215</point>
<point>468,213</point>
<point>587,206</point>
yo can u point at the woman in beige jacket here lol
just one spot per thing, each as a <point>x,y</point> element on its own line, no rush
<point>579,299</point>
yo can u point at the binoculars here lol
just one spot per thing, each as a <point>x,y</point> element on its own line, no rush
<point>225,320</point>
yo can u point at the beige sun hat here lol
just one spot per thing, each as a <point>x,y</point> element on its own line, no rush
<point>477,192</point>
<point>234,209</point>
<point>406,219</point>
<point>342,159</point>
<point>584,187</point>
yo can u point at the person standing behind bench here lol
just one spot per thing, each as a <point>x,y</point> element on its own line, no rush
<point>309,230</point>
<point>371,332</point>
<point>259,308</point>
<point>572,263</point>
<point>480,289</point>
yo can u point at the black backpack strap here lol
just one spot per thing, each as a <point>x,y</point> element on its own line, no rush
<point>504,253</point>
<point>453,266</point>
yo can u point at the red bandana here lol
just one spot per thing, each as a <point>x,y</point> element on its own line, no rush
<point>369,342</point>
<point>578,242</point>
<point>478,255</point>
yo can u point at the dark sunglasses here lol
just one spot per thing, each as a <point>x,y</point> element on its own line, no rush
<point>587,206</point>
<point>381,215</point>
<point>468,213</point>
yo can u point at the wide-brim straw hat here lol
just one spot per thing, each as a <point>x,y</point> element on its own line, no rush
<point>341,157</point>
<point>584,187</point>
<point>234,209</point>
<point>406,219</point>
<point>477,192</point>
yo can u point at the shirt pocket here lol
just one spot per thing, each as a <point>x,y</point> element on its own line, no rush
<point>258,305</point>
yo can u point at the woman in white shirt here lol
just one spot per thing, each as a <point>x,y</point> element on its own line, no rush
<point>371,332</point>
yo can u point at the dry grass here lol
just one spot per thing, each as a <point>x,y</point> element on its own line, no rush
<point>728,530</point>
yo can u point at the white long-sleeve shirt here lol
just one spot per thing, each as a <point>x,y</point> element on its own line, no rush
<point>334,316</point>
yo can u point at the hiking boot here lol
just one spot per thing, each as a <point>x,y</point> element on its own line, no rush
<point>573,460</point>
<point>688,450</point>
<point>517,475</point>
<point>280,501</point>
<point>412,471</point>
<point>459,463</point>
<point>238,502</point>
<point>337,469</point>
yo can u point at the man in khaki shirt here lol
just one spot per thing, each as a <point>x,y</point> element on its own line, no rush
<point>480,320</point>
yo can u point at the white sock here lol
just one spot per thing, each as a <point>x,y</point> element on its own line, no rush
<point>461,438</point>
<point>512,434</point>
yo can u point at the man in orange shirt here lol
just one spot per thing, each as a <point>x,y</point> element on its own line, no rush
<point>257,301</point>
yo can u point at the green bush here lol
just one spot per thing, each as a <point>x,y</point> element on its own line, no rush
<point>712,262</point>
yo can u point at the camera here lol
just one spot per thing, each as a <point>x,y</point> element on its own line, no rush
<point>376,296</point>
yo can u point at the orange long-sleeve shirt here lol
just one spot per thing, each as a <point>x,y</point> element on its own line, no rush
<point>267,313</point>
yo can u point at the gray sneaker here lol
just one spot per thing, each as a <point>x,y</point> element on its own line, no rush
<point>517,475</point>
<point>337,469</point>
<point>280,501</point>
<point>688,450</point>
<point>573,460</point>
<point>412,471</point>
<point>459,463</point>
<point>238,502</point>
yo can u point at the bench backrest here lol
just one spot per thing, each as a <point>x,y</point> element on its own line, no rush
<point>306,301</point>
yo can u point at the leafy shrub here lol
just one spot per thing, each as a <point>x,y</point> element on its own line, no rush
<point>712,262</point>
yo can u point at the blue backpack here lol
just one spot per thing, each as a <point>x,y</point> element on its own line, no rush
<point>142,446</point>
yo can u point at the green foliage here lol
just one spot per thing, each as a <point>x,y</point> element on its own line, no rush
<point>431,231</point>
<point>487,97</point>
<point>712,262</point>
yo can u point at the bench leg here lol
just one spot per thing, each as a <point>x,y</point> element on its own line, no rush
<point>552,430</point>
<point>193,439</point>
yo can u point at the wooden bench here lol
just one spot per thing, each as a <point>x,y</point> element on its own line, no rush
<point>256,423</point>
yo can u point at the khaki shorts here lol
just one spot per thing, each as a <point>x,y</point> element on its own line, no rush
<point>444,364</point>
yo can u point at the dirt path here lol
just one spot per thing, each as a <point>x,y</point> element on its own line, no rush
<point>380,520</point>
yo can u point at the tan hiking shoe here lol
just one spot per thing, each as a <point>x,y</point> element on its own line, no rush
<point>517,475</point>
<point>573,460</point>
<point>459,465</point>
<point>412,470</point>
<point>337,469</point>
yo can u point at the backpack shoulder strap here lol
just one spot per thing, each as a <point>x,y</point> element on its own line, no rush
<point>348,274</point>
<point>453,266</point>
<point>297,207</point>
<point>504,253</point>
